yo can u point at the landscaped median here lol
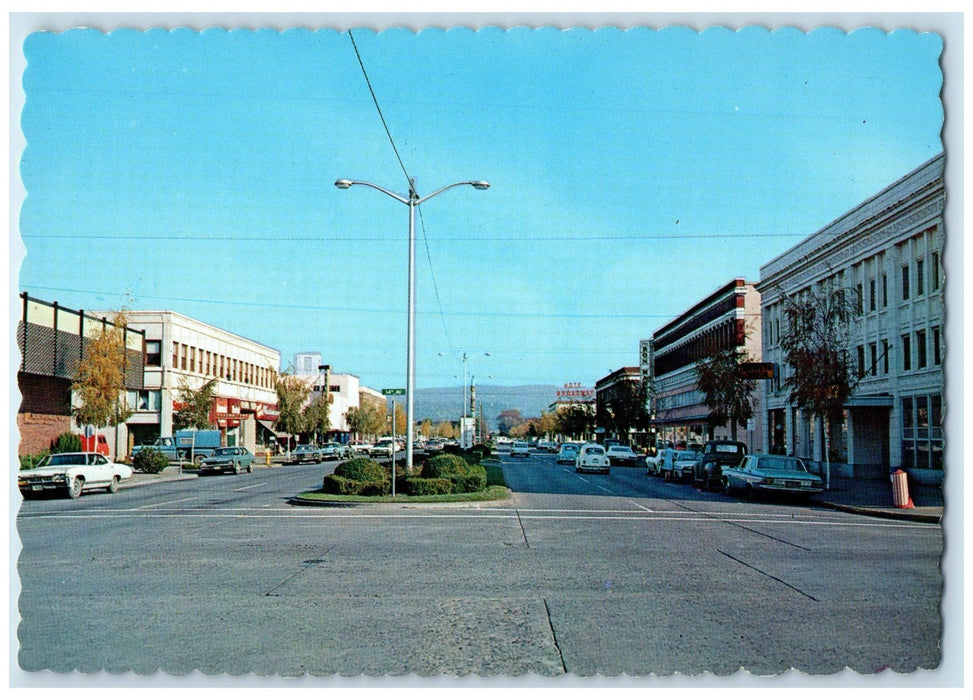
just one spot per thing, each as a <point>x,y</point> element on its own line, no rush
<point>446,478</point>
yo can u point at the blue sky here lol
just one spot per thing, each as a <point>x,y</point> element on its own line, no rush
<point>632,172</point>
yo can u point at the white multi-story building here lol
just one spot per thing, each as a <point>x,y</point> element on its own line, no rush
<point>346,390</point>
<point>181,351</point>
<point>889,251</point>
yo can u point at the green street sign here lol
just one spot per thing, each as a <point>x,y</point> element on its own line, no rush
<point>393,392</point>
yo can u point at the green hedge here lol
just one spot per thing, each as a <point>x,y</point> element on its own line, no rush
<point>464,477</point>
<point>419,486</point>
<point>361,469</point>
<point>149,460</point>
<point>67,442</point>
<point>443,466</point>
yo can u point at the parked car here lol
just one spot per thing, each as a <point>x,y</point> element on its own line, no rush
<point>568,453</point>
<point>592,458</point>
<point>228,459</point>
<point>359,448</point>
<point>771,474</point>
<point>335,450</point>
<point>72,472</point>
<point>622,456</point>
<point>717,454</point>
<point>306,453</point>
<point>520,447</point>
<point>383,448</point>
<point>684,463</point>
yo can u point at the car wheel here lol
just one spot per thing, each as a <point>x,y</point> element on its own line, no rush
<point>236,468</point>
<point>726,486</point>
<point>250,468</point>
<point>751,495</point>
<point>198,460</point>
<point>113,486</point>
<point>75,487</point>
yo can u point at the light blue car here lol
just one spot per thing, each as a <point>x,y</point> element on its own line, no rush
<point>771,474</point>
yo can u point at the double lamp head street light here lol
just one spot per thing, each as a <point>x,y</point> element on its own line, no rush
<point>412,201</point>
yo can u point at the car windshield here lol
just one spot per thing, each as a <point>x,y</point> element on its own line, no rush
<point>224,450</point>
<point>783,464</point>
<point>60,460</point>
<point>569,448</point>
<point>687,454</point>
<point>730,449</point>
<point>620,448</point>
<point>594,451</point>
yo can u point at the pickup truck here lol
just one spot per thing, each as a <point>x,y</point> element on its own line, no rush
<point>186,445</point>
<point>717,455</point>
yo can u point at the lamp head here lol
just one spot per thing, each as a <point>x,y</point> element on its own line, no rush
<point>343,184</point>
<point>480,185</point>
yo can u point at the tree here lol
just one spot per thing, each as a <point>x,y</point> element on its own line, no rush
<point>625,411</point>
<point>196,405</point>
<point>317,416</point>
<point>367,419</point>
<point>508,419</point>
<point>816,346</point>
<point>576,420</point>
<point>292,392</point>
<point>100,379</point>
<point>728,396</point>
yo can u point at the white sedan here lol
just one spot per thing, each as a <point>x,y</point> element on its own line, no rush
<point>520,447</point>
<point>72,472</point>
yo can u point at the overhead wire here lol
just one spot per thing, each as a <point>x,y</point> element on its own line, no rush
<point>412,190</point>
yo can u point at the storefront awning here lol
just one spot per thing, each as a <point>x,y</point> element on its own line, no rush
<point>880,401</point>
<point>269,427</point>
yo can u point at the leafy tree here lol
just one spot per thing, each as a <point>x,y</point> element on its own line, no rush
<point>509,419</point>
<point>292,392</point>
<point>196,405</point>
<point>317,415</point>
<point>100,379</point>
<point>576,420</point>
<point>728,396</point>
<point>367,419</point>
<point>816,345</point>
<point>625,411</point>
<point>548,423</point>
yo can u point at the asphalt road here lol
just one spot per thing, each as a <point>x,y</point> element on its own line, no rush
<point>577,574</point>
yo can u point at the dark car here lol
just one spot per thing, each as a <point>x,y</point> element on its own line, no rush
<point>717,454</point>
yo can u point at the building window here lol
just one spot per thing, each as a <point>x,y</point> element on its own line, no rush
<point>861,299</point>
<point>861,361</point>
<point>873,352</point>
<point>906,353</point>
<point>885,356</point>
<point>175,355</point>
<point>872,297</point>
<point>192,359</point>
<point>149,400</point>
<point>885,290</point>
<point>934,272</point>
<point>921,349</point>
<point>182,356</point>
<point>920,277</point>
<point>937,351</point>
<point>153,353</point>
<point>905,283</point>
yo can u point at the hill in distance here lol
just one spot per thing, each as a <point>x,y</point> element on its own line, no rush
<point>447,403</point>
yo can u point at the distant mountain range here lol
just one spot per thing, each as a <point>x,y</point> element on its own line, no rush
<point>447,403</point>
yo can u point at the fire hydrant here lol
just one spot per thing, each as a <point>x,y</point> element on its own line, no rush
<point>900,489</point>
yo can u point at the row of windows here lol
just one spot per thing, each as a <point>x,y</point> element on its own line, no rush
<point>912,286</point>
<point>915,353</point>
<point>210,364</point>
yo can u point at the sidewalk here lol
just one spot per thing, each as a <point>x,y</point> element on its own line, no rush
<point>874,497</point>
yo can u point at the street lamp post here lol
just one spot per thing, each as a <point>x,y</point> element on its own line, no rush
<point>412,201</point>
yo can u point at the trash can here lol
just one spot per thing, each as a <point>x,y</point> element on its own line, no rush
<point>900,490</point>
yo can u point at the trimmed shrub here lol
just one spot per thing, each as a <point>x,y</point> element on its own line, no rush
<point>31,461</point>
<point>361,469</point>
<point>418,486</point>
<point>470,480</point>
<point>443,466</point>
<point>149,461</point>
<point>341,486</point>
<point>67,442</point>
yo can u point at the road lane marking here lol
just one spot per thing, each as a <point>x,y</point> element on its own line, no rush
<point>252,486</point>
<point>166,503</point>
<point>634,516</point>
<point>639,505</point>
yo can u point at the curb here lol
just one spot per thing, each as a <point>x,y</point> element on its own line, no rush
<point>887,514</point>
<point>315,503</point>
